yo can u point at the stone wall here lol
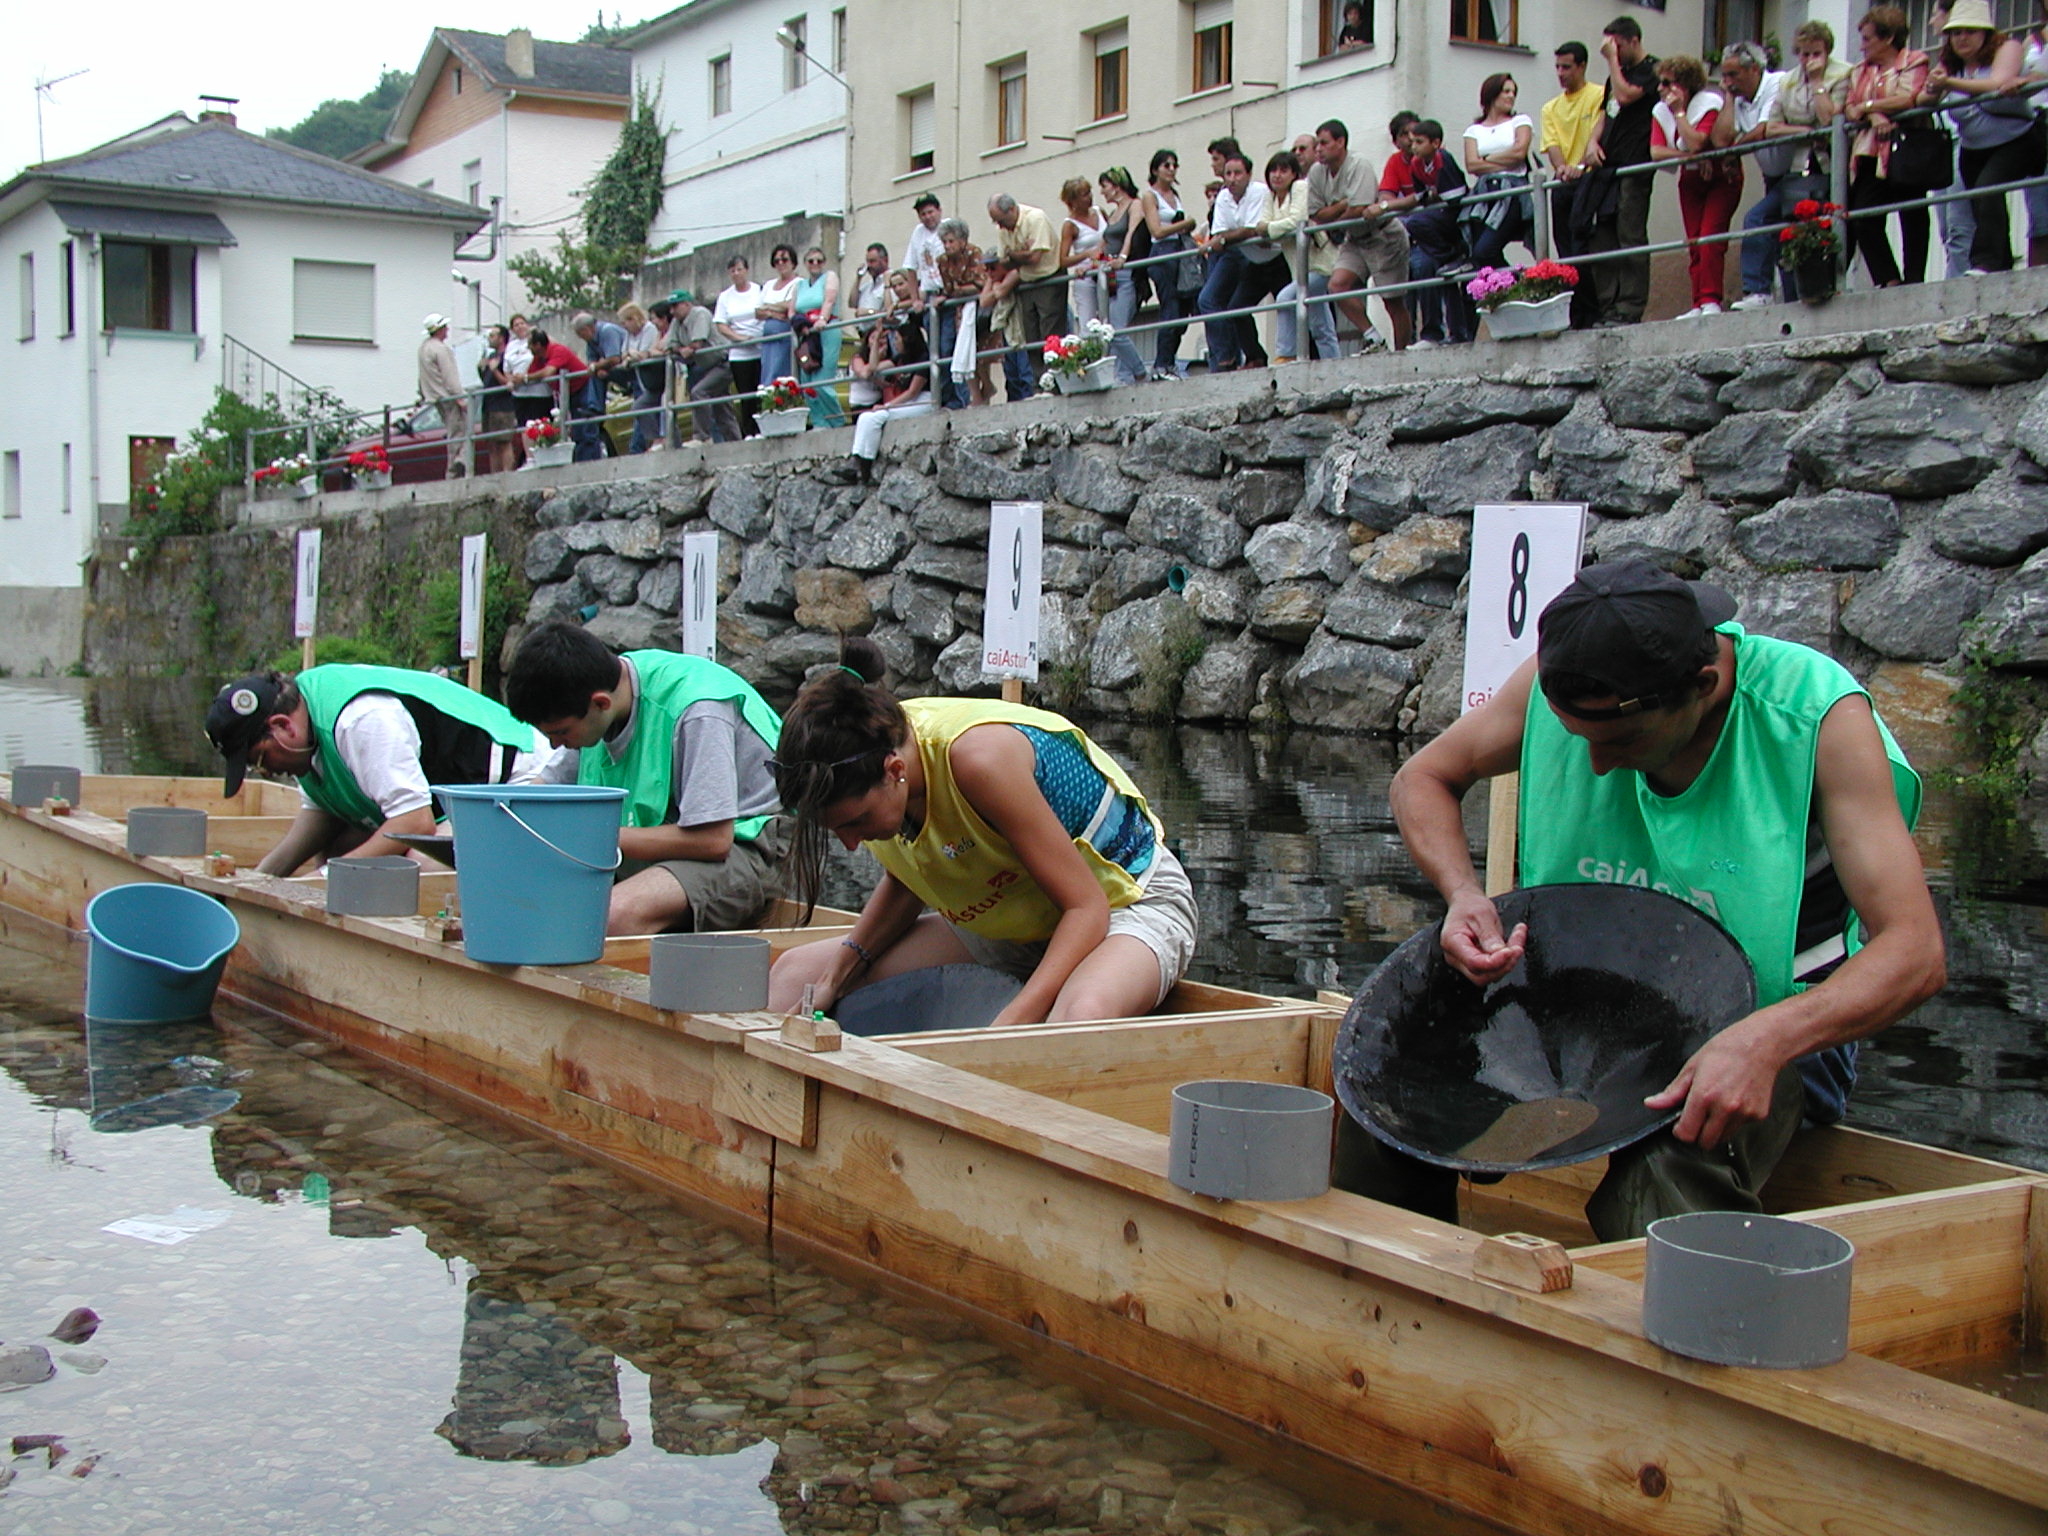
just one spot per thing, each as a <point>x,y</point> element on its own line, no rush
<point>1288,546</point>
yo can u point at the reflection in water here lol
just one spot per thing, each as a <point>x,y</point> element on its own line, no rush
<point>403,1299</point>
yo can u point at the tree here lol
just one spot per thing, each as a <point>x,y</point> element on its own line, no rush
<point>339,128</point>
<point>619,208</point>
<point>606,35</point>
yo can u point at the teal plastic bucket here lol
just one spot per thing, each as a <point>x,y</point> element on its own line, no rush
<point>534,869</point>
<point>156,953</point>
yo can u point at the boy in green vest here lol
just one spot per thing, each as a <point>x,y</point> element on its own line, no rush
<point>364,743</point>
<point>702,834</point>
<point>1661,745</point>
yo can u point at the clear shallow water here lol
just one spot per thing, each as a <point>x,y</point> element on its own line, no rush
<point>414,1322</point>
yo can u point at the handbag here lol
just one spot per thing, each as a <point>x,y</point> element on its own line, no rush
<point>1923,157</point>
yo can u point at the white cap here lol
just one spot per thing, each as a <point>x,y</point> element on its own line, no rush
<point>435,323</point>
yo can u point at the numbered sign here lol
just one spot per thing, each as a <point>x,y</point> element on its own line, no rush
<point>1523,555</point>
<point>1010,631</point>
<point>700,595</point>
<point>472,596</point>
<point>306,592</point>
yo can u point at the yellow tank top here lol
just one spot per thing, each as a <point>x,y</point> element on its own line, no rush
<point>962,867</point>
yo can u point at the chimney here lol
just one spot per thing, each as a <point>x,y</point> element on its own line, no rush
<point>216,109</point>
<point>519,52</point>
<point>218,117</point>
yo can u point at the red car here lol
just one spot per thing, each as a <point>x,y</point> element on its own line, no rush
<point>418,451</point>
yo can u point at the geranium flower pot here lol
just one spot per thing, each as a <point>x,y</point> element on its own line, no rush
<point>546,455</point>
<point>1816,279</point>
<point>306,489</point>
<point>1520,317</point>
<point>373,480</point>
<point>1098,375</point>
<point>783,423</point>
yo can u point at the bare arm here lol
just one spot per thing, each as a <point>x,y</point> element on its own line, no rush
<point>890,910</point>
<point>992,765</point>
<point>1426,796</point>
<point>710,842</point>
<point>1728,1081</point>
<point>310,833</point>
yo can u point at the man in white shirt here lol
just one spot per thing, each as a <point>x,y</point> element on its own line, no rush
<point>921,252</point>
<point>441,383</point>
<point>1234,250</point>
<point>1753,87</point>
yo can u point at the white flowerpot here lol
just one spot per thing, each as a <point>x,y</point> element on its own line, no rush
<point>545,455</point>
<point>374,480</point>
<point>306,489</point>
<point>1100,374</point>
<point>1518,317</point>
<point>783,423</point>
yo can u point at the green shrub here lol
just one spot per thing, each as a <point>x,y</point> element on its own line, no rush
<point>336,651</point>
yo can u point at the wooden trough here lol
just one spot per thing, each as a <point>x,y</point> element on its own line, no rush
<point>1021,1173</point>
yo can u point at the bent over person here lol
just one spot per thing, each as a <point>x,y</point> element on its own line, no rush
<point>1006,838</point>
<point>365,743</point>
<point>1747,775</point>
<point>689,742</point>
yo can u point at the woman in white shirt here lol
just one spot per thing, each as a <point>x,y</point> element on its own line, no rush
<point>1681,125</point>
<point>1497,159</point>
<point>1081,252</point>
<point>734,318</point>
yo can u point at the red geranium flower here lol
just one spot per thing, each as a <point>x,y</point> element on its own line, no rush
<point>1805,208</point>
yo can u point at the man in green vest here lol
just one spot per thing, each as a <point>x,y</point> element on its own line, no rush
<point>1660,745</point>
<point>364,743</point>
<point>702,835</point>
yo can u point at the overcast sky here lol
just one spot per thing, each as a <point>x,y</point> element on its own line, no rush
<point>145,61</point>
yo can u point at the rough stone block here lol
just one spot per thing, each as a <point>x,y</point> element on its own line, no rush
<point>1660,396</point>
<point>1224,684</point>
<point>833,601</point>
<point>1365,610</point>
<point>634,628</point>
<point>1288,551</point>
<point>739,505</point>
<point>1344,685</point>
<point>1841,530</point>
<point>2001,522</point>
<point>1090,477</point>
<point>1684,543</point>
<point>1291,611</point>
<point>1261,496</point>
<point>1800,605</point>
<point>661,587</point>
<point>1980,363</point>
<point>1170,447</point>
<point>548,556</point>
<point>983,477</point>
<point>1747,457</point>
<point>1219,598</point>
<point>1916,440</point>
<point>1458,409</point>
<point>767,583</point>
<point>2014,625</point>
<point>873,541</point>
<point>611,578</point>
<point>1779,384</point>
<point>1915,608</point>
<point>1187,525</point>
<point>1487,466</point>
<point>1424,547</point>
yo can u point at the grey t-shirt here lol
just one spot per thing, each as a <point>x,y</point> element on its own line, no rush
<point>720,767</point>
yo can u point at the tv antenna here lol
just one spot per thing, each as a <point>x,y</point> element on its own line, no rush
<point>43,94</point>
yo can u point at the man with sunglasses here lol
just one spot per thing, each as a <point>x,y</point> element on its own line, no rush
<point>1660,745</point>
<point>690,742</point>
<point>365,744</point>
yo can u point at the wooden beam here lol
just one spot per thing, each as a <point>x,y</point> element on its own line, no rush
<point>756,1093</point>
<point>2034,1324</point>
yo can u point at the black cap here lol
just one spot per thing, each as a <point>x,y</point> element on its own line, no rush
<point>1632,628</point>
<point>238,718</point>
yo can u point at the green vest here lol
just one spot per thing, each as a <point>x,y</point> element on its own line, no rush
<point>1733,842</point>
<point>669,683</point>
<point>440,707</point>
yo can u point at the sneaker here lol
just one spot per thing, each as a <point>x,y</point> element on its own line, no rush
<point>1708,308</point>
<point>1977,272</point>
<point>1752,301</point>
<point>1691,314</point>
<point>1424,345</point>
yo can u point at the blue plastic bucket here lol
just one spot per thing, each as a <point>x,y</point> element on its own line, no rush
<point>534,869</point>
<point>156,953</point>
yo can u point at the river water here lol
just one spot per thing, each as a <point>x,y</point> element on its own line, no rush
<point>378,1313</point>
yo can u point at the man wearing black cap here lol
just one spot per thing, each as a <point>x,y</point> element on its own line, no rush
<point>364,743</point>
<point>1659,745</point>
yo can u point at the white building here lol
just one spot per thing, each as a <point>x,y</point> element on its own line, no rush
<point>139,270</point>
<point>758,131</point>
<point>527,124</point>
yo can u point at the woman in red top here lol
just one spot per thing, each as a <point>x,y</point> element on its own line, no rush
<point>1890,79</point>
<point>1681,125</point>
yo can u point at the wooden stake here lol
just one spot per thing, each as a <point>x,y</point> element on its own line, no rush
<point>1013,690</point>
<point>306,653</point>
<point>476,674</point>
<point>2034,1320</point>
<point>1503,795</point>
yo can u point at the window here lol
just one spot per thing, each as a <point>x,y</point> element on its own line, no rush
<point>1009,103</point>
<point>839,40</point>
<point>146,457</point>
<point>149,287</point>
<point>795,67</point>
<point>1330,23</point>
<point>458,80</point>
<point>28,296</point>
<point>473,183</point>
<point>1212,44</point>
<point>721,85</point>
<point>920,118</point>
<point>68,278</point>
<point>334,301</point>
<point>65,487</point>
<point>10,484</point>
<point>1112,65</point>
<point>1484,21</point>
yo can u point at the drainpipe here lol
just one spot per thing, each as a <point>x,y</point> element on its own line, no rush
<point>92,377</point>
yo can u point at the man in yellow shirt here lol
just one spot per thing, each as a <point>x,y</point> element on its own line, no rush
<point>1029,260</point>
<point>1567,128</point>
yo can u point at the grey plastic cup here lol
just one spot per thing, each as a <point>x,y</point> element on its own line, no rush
<point>33,783</point>
<point>387,885</point>
<point>1742,1289</point>
<point>166,831</point>
<point>708,972</point>
<point>1250,1141</point>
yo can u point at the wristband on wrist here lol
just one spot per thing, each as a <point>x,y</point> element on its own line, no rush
<point>866,959</point>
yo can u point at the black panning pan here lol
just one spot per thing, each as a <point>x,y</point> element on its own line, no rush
<point>439,846</point>
<point>1616,989</point>
<point>917,1002</point>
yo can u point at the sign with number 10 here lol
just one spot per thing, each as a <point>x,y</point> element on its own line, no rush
<point>1523,555</point>
<point>1010,627</point>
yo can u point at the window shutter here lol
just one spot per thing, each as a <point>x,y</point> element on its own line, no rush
<point>1211,13</point>
<point>1111,39</point>
<point>923,116</point>
<point>334,300</point>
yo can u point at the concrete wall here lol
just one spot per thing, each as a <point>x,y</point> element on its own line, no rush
<point>42,629</point>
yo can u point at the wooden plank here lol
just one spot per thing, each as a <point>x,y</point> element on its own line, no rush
<point>630,952</point>
<point>1841,1166</point>
<point>437,891</point>
<point>1937,1277</point>
<point>759,1094</point>
<point>245,839</point>
<point>1127,1070</point>
<point>2034,1325</point>
<point>112,795</point>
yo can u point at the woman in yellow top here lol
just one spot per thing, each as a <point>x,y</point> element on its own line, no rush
<point>1006,838</point>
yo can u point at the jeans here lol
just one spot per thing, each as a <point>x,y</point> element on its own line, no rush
<point>586,429</point>
<point>1440,309</point>
<point>1123,312</point>
<point>952,394</point>
<point>1172,306</point>
<point>1019,382</point>
<point>1228,271</point>
<point>1760,252</point>
<point>1322,320</point>
<point>777,351</point>
<point>1958,225</point>
<point>651,428</point>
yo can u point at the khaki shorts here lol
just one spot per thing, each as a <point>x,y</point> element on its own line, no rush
<point>1381,252</point>
<point>730,894</point>
<point>1164,920</point>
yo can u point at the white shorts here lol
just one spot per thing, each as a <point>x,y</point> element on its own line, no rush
<point>1164,920</point>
